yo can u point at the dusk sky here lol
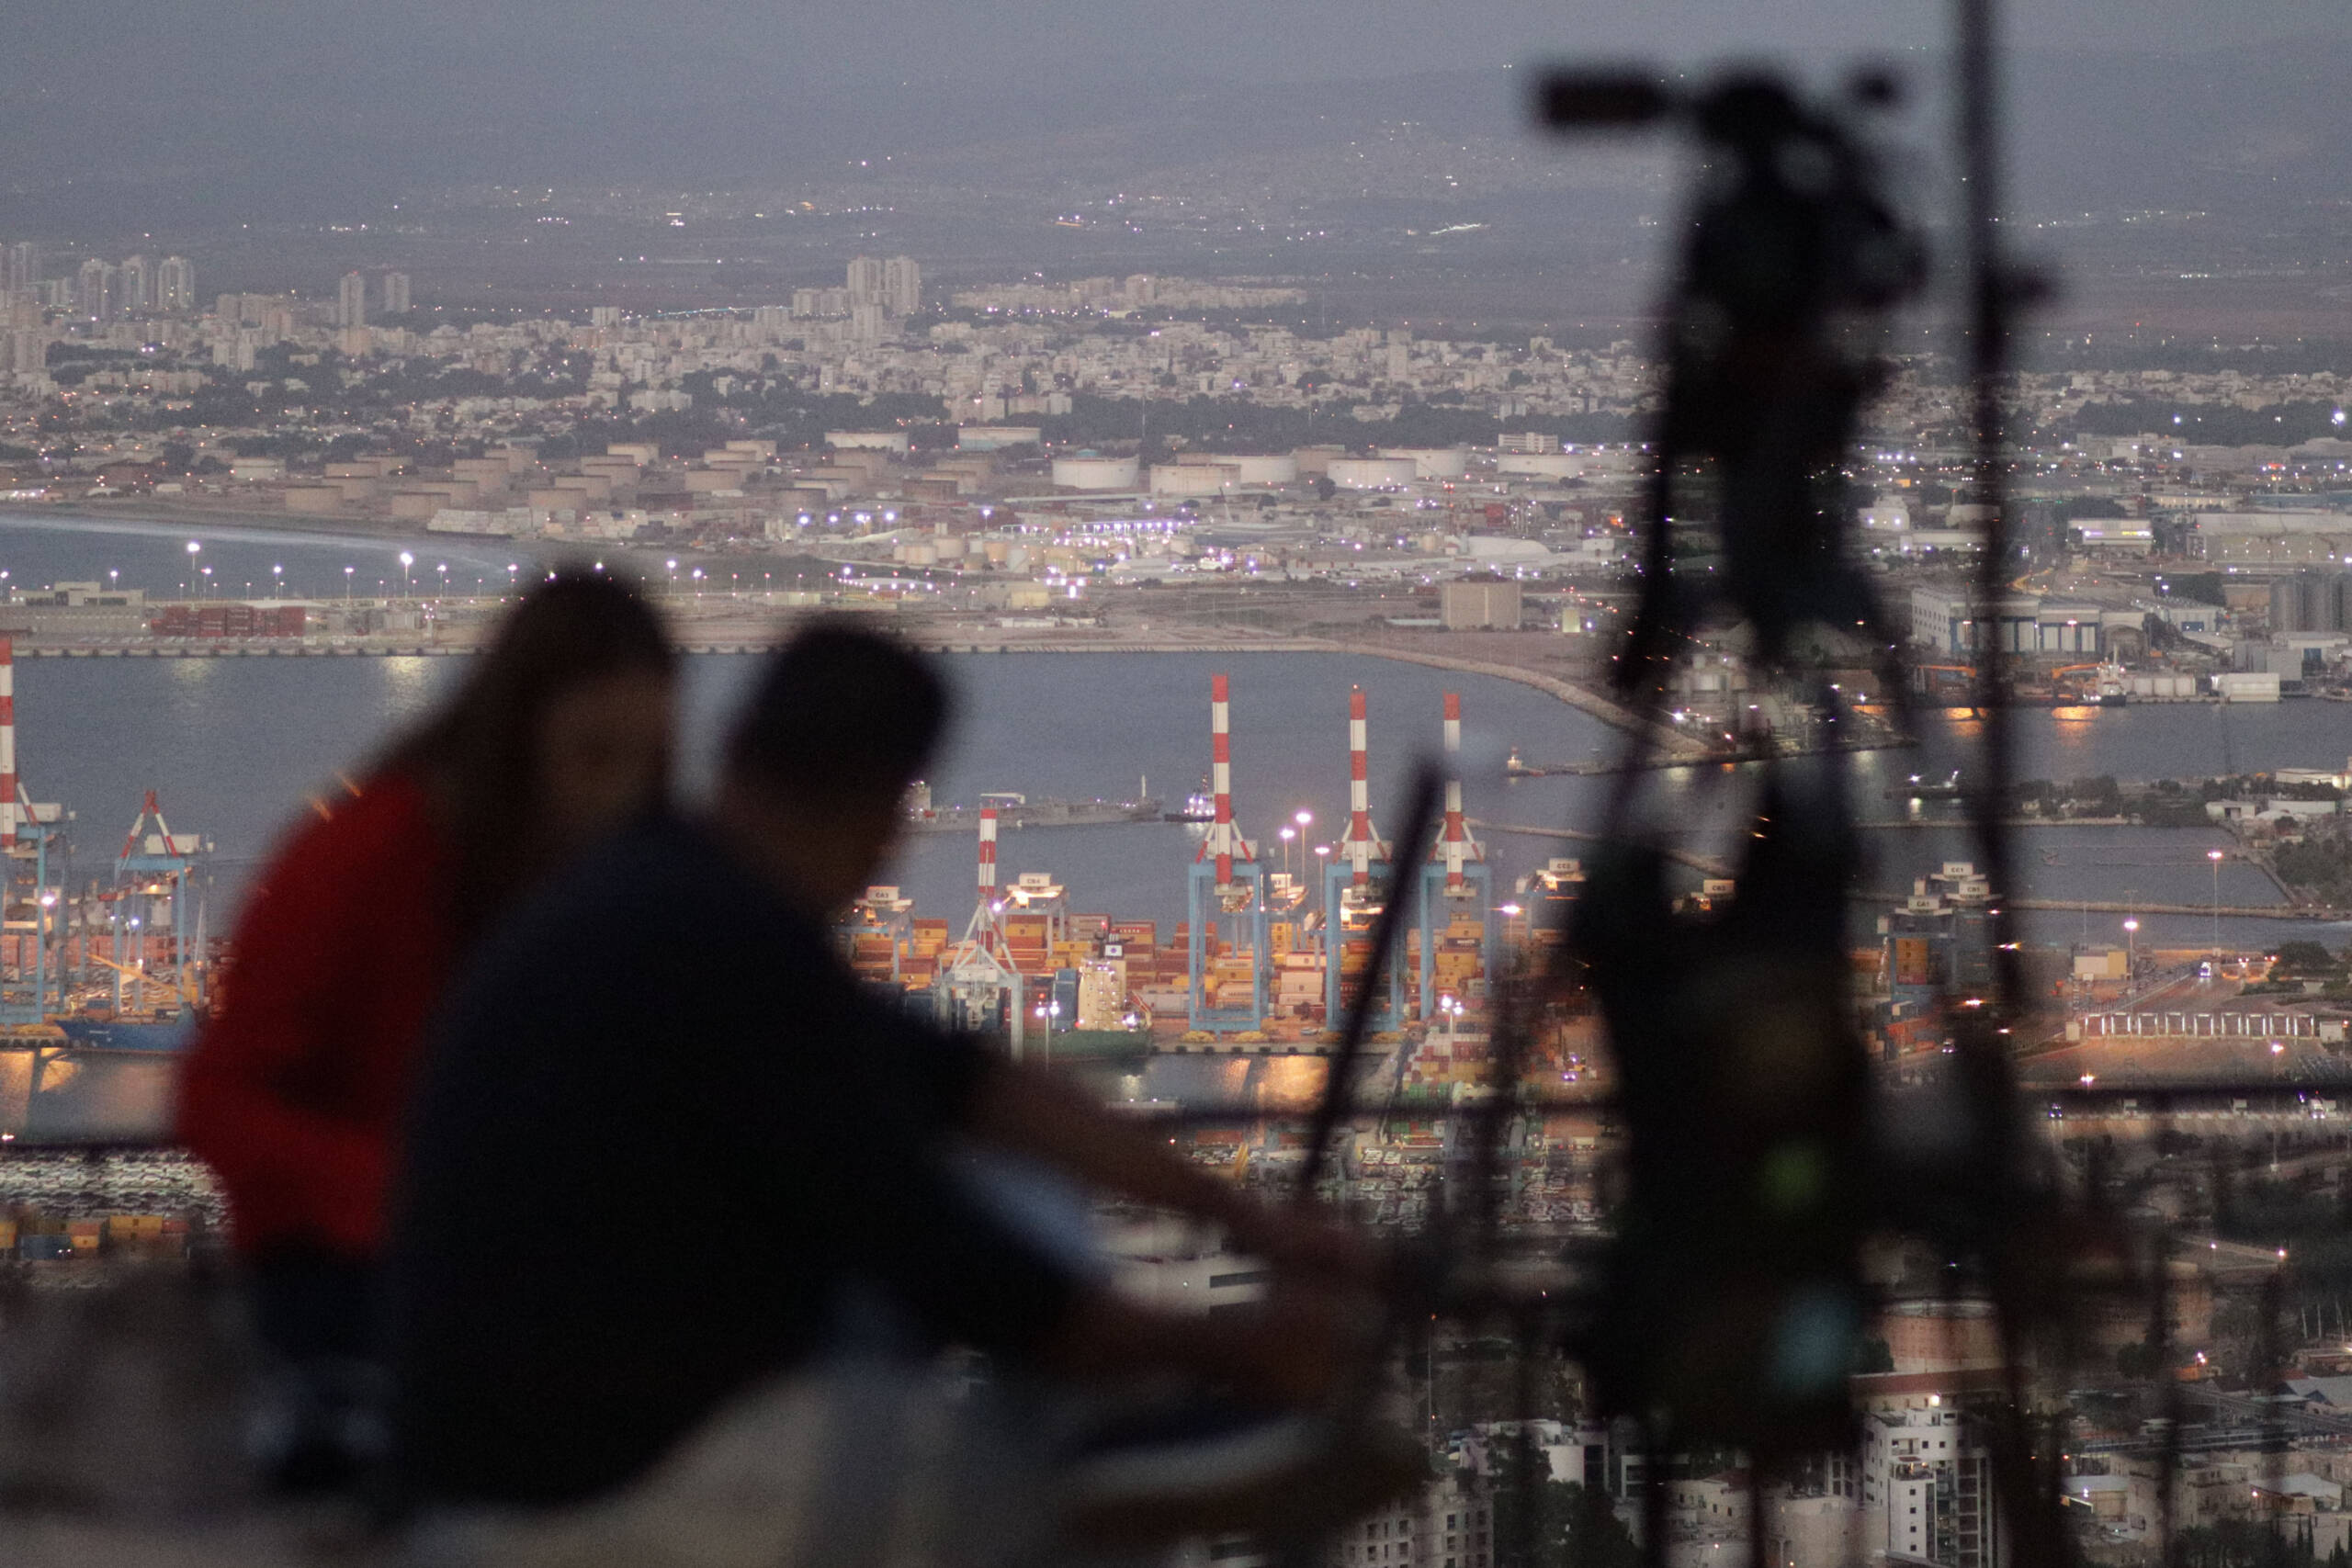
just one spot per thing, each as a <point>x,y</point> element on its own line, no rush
<point>801,45</point>
<point>309,102</point>
<point>1210,39</point>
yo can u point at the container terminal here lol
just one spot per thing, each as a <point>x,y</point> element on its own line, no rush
<point>101,985</point>
<point>1261,963</point>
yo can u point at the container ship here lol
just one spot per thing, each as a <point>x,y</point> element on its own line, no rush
<point>925,816</point>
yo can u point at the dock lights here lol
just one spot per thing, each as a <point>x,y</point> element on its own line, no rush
<point>407,560</point>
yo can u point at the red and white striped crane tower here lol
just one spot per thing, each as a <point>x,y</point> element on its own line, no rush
<point>985,928</point>
<point>1363,845</point>
<point>981,988</point>
<point>1224,843</point>
<point>1225,883</point>
<point>1456,847</point>
<point>8,817</point>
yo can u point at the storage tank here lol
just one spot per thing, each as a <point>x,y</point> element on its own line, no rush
<point>1193,478</point>
<point>1268,468</point>
<point>1541,465</point>
<point>1249,467</point>
<point>1313,460</point>
<point>1433,462</point>
<point>1373,473</point>
<point>860,440</point>
<point>1090,472</point>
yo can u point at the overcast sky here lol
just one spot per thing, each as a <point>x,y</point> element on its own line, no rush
<point>803,42</point>
<point>305,100</point>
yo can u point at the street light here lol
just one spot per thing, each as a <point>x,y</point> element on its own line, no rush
<point>2130,950</point>
<point>188,581</point>
<point>1286,835</point>
<point>2216,857</point>
<point>347,582</point>
<point>407,560</point>
<point>276,582</point>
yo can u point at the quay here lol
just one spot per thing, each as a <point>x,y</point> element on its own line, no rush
<point>1711,866</point>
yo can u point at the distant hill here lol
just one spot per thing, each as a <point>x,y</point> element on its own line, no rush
<point>241,127</point>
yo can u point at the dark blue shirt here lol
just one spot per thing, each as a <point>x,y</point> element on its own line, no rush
<point>660,1130</point>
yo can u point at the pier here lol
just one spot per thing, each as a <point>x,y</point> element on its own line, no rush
<point>1711,866</point>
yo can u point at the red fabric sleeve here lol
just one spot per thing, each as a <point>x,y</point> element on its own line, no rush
<point>295,1091</point>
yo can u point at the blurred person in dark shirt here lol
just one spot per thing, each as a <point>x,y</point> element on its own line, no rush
<point>665,1134</point>
<point>300,1080</point>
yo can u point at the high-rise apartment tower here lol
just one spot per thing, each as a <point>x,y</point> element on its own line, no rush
<point>135,285</point>
<point>175,285</point>
<point>95,293</point>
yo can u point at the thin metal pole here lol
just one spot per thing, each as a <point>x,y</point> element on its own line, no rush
<point>1989,286</point>
<point>2025,1483</point>
<point>1407,853</point>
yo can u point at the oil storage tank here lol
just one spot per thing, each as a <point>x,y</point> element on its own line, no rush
<point>1373,473</point>
<point>1541,465</point>
<point>1194,479</point>
<point>1087,471</point>
<point>1431,462</point>
<point>1248,467</point>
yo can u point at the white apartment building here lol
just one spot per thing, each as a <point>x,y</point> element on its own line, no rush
<point>1928,1487</point>
<point>174,286</point>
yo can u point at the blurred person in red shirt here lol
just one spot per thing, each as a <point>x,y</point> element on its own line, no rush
<point>297,1086</point>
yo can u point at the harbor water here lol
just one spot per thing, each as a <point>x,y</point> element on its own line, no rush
<point>237,749</point>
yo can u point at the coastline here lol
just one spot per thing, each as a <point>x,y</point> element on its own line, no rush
<point>167,512</point>
<point>170,512</point>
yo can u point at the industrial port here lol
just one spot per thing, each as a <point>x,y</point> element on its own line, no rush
<point>1261,963</point>
<point>113,965</point>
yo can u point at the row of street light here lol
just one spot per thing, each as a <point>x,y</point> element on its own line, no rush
<point>199,577</point>
<point>2132,922</point>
